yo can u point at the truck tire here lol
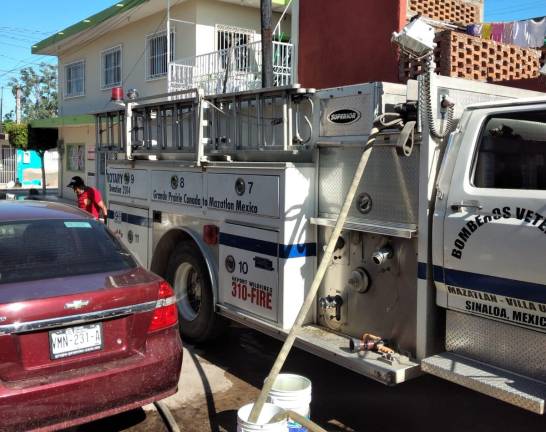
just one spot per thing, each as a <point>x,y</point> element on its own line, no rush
<point>188,275</point>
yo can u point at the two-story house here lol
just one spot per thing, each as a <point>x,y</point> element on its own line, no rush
<point>126,46</point>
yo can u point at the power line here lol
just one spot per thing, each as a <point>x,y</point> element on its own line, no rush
<point>23,29</point>
<point>16,69</point>
<point>15,45</point>
<point>97,31</point>
<point>15,58</point>
<point>28,40</point>
<point>127,75</point>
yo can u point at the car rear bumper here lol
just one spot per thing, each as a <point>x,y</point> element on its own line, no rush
<point>105,390</point>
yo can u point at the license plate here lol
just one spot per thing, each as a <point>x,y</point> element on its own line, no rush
<point>75,340</point>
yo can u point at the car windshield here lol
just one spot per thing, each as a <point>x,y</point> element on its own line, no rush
<point>44,249</point>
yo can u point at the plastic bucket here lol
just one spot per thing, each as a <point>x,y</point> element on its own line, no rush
<point>268,412</point>
<point>292,392</point>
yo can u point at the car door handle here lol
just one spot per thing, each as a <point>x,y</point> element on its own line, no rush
<point>466,204</point>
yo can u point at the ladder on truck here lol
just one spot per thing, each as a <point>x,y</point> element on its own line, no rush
<point>187,125</point>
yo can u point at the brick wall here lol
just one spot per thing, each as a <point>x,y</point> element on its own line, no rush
<point>453,11</point>
<point>464,56</point>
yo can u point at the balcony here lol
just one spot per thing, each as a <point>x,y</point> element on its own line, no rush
<point>231,70</point>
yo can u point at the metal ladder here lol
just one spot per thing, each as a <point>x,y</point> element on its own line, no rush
<point>255,120</point>
<point>189,126</point>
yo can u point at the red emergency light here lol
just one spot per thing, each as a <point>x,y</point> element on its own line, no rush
<point>117,94</point>
<point>210,234</point>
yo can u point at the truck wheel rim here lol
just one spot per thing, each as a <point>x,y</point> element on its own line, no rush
<point>187,284</point>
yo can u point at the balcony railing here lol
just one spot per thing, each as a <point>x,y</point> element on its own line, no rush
<point>231,70</point>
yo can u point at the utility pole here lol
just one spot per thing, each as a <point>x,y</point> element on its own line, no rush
<point>2,109</point>
<point>169,48</point>
<point>17,104</point>
<point>267,43</point>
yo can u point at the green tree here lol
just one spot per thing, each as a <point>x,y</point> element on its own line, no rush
<point>24,137</point>
<point>38,91</point>
<point>18,135</point>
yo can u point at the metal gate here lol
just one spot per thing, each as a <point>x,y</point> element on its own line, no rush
<point>8,164</point>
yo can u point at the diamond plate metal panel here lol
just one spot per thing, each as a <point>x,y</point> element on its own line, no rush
<point>391,181</point>
<point>497,383</point>
<point>506,346</point>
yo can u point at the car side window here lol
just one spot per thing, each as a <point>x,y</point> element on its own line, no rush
<point>512,152</point>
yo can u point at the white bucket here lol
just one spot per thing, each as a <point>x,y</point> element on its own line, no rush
<point>292,392</point>
<point>268,412</point>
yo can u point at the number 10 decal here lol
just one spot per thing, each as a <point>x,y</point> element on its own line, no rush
<point>243,267</point>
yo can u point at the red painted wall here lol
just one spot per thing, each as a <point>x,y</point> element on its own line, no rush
<point>348,41</point>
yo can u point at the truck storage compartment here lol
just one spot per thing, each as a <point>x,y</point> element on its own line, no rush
<point>130,225</point>
<point>256,195</point>
<point>249,270</point>
<point>387,200</point>
<point>349,111</point>
<point>388,193</point>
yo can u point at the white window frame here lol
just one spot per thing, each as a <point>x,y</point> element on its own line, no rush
<point>149,75</point>
<point>242,56</point>
<point>65,83</point>
<point>218,28</point>
<point>103,55</point>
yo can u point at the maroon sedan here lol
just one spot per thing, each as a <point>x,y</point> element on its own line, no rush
<point>85,332</point>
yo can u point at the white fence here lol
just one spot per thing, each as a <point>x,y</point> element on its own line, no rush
<point>230,70</point>
<point>8,164</point>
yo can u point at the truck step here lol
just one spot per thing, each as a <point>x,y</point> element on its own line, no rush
<point>335,348</point>
<point>498,383</point>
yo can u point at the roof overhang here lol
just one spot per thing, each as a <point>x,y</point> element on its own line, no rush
<point>115,17</point>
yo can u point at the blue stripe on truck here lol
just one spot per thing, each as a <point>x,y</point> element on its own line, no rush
<point>131,218</point>
<point>486,283</point>
<point>269,248</point>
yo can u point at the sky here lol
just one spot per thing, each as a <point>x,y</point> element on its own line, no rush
<point>30,21</point>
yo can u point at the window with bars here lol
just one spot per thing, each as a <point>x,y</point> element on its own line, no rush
<point>111,67</point>
<point>75,157</point>
<point>74,79</point>
<point>156,55</point>
<point>234,41</point>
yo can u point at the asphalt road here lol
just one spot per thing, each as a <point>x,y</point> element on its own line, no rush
<point>220,378</point>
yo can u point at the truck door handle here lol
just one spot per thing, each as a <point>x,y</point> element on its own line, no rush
<point>466,204</point>
<point>263,263</point>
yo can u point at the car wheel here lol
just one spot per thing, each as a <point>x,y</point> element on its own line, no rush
<point>188,274</point>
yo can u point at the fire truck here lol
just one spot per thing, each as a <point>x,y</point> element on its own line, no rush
<point>439,266</point>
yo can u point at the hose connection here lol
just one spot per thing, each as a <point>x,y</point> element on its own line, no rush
<point>382,255</point>
<point>369,342</point>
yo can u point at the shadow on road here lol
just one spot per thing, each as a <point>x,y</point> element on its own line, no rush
<point>346,401</point>
<point>211,408</point>
<point>115,423</point>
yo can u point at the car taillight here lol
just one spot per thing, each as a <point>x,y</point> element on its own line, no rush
<point>165,313</point>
